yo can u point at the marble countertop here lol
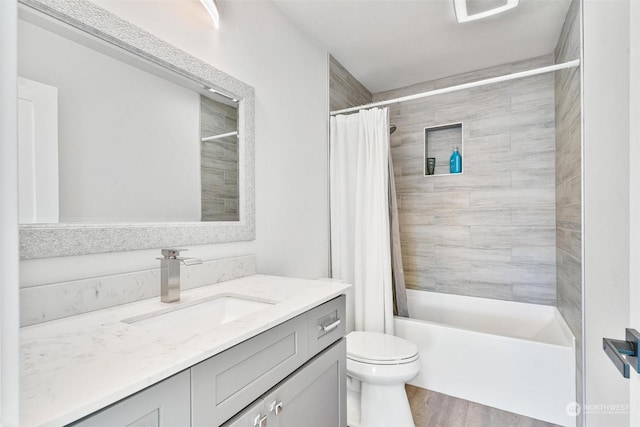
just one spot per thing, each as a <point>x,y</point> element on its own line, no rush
<point>75,366</point>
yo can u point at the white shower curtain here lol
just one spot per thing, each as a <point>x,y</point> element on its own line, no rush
<point>360,234</point>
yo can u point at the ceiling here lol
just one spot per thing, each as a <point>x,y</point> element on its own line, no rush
<point>387,44</point>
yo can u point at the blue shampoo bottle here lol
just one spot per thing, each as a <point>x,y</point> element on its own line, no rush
<point>455,162</point>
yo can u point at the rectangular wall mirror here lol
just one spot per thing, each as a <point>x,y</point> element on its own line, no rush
<point>125,142</point>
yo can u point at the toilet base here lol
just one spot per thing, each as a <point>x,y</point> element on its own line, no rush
<point>379,406</point>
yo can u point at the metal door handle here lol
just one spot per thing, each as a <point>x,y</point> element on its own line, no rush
<point>617,350</point>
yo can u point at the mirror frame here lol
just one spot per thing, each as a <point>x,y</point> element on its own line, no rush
<point>55,240</point>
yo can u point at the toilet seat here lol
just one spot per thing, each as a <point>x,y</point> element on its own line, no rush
<point>380,349</point>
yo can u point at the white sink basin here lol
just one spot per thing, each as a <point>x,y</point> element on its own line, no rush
<point>212,312</point>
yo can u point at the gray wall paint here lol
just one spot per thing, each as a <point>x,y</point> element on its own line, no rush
<point>219,161</point>
<point>491,231</point>
<point>569,186</point>
<point>344,90</point>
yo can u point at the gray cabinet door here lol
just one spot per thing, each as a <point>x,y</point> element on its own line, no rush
<point>314,396</point>
<point>250,417</point>
<point>231,380</point>
<point>166,404</point>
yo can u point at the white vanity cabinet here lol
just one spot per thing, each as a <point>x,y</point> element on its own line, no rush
<point>166,403</point>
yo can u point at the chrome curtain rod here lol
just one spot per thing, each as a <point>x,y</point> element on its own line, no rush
<point>536,71</point>
<point>222,135</point>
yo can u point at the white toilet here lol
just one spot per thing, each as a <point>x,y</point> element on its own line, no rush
<point>378,365</point>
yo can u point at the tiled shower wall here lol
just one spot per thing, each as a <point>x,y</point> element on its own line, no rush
<point>489,232</point>
<point>219,164</point>
<point>568,185</point>
<point>345,90</point>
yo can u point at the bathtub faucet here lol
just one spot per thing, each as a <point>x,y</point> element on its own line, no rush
<point>170,273</point>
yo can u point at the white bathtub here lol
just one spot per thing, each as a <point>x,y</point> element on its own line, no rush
<point>512,356</point>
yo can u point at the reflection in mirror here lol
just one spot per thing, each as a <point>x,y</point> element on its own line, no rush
<point>104,141</point>
<point>219,159</point>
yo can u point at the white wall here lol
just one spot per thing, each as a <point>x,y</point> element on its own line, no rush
<point>9,411</point>
<point>129,146</point>
<point>606,204</point>
<point>258,45</point>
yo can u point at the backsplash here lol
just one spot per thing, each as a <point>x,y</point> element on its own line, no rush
<point>58,300</point>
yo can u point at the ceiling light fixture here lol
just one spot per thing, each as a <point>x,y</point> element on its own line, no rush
<point>212,8</point>
<point>462,14</point>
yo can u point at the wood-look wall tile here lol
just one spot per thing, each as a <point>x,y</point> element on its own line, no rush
<point>528,64</point>
<point>569,241</point>
<point>533,236</point>
<point>456,105</point>
<point>416,247</point>
<point>533,161</point>
<point>408,150</point>
<point>543,177</point>
<point>345,90</point>
<point>412,167</point>
<point>415,184</point>
<point>569,270</point>
<point>568,192</point>
<point>472,217</point>
<point>486,236</point>
<point>569,217</point>
<point>476,288</point>
<point>421,280</point>
<point>497,272</point>
<point>570,305</point>
<point>438,234</point>
<point>511,198</point>
<point>416,218</point>
<point>534,255</point>
<point>446,252</point>
<point>490,126</point>
<point>536,216</point>
<point>485,180</point>
<point>535,294</point>
<point>457,199</point>
<point>460,233</point>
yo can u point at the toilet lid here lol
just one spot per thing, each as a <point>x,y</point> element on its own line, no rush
<point>377,348</point>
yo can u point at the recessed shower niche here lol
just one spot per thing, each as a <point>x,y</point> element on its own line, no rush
<point>438,143</point>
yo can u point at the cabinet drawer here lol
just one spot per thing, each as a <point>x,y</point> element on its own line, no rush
<point>164,404</point>
<point>326,324</point>
<point>313,396</point>
<point>226,383</point>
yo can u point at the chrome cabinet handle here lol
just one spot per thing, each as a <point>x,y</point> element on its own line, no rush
<point>276,407</point>
<point>330,327</point>
<point>260,421</point>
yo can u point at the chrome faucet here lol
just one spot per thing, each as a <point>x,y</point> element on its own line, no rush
<point>170,273</point>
